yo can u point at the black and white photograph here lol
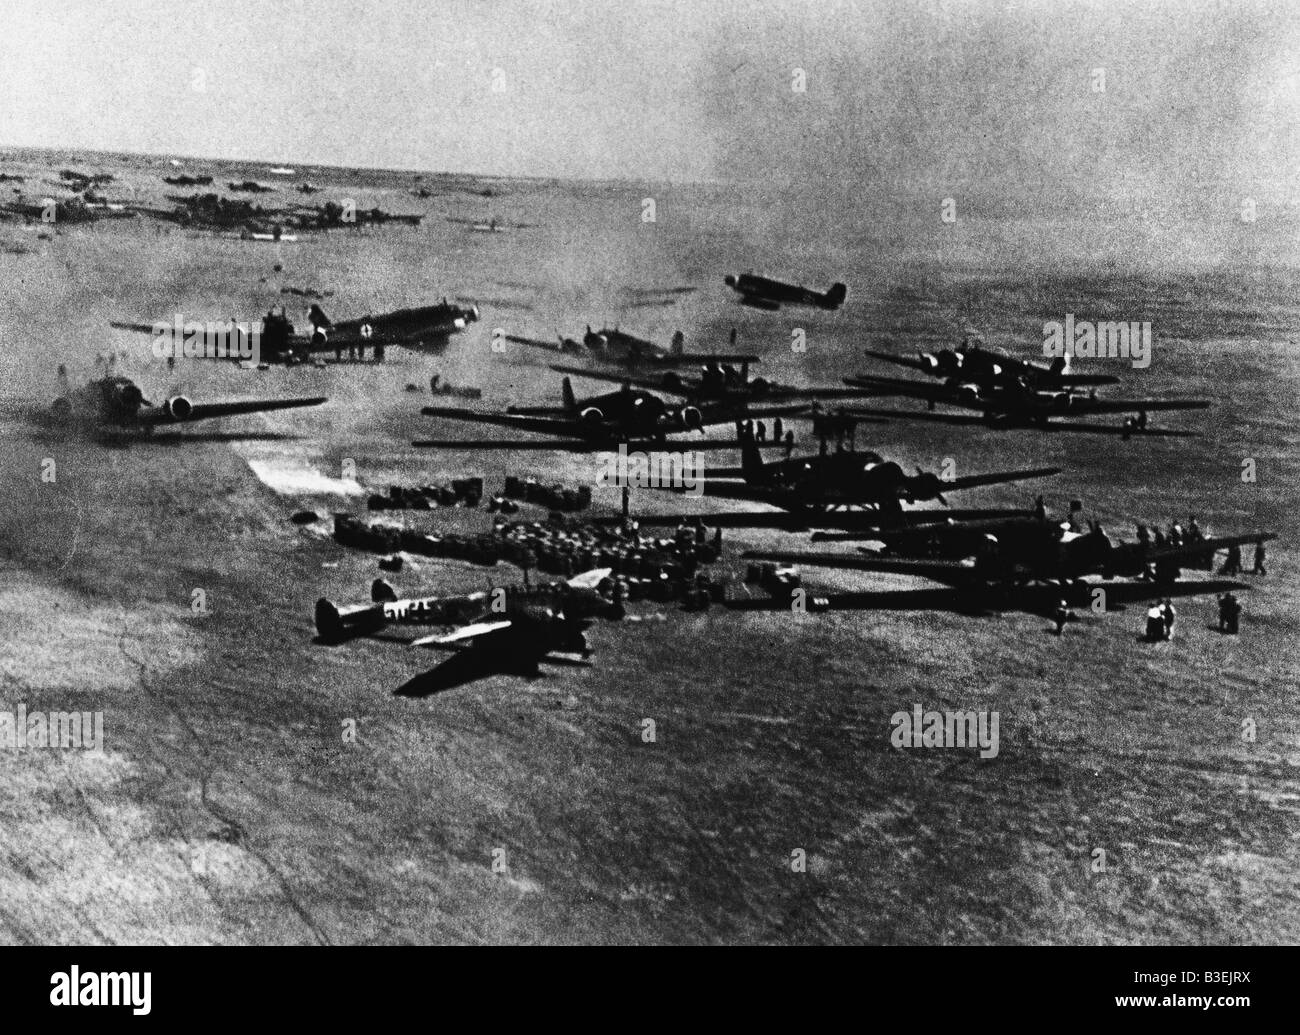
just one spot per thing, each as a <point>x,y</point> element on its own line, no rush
<point>657,473</point>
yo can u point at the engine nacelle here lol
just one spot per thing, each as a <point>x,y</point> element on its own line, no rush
<point>472,314</point>
<point>931,362</point>
<point>886,474</point>
<point>970,393</point>
<point>591,415</point>
<point>178,408</point>
<point>673,381</point>
<point>692,418</point>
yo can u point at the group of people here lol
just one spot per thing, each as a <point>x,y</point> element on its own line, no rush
<point>750,430</point>
<point>1232,566</point>
<point>1176,536</point>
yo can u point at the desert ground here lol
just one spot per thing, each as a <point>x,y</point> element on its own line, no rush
<point>227,806</point>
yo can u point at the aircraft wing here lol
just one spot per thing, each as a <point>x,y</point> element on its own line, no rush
<point>952,573</point>
<point>911,362</point>
<point>577,445</point>
<point>488,444</point>
<point>972,421</point>
<point>700,358</point>
<point>463,634</point>
<point>973,600</point>
<point>652,384</point>
<point>1202,547</point>
<point>1083,406</point>
<point>848,520</point>
<point>728,490</point>
<point>907,388</point>
<point>973,481</point>
<point>518,421</point>
<point>205,411</point>
<point>729,413</point>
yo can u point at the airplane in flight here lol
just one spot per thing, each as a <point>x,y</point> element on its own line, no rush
<point>1016,406</point>
<point>765,293</point>
<point>629,417</point>
<point>422,328</point>
<point>507,630</point>
<point>973,363</point>
<point>113,404</point>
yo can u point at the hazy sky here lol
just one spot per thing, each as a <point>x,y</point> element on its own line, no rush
<point>996,95</point>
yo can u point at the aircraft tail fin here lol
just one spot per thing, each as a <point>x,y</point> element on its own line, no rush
<point>570,400</point>
<point>381,590</point>
<point>64,386</point>
<point>834,298</point>
<point>679,343</point>
<point>318,318</point>
<point>1061,364</point>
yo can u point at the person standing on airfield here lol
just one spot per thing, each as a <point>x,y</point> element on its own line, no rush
<point>1229,613</point>
<point>1232,566</point>
<point>1259,559</point>
<point>1170,616</point>
<point>1155,623</point>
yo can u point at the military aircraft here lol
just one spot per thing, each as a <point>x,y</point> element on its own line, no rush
<point>426,328</point>
<point>618,348</point>
<point>1016,405</point>
<point>1050,554</point>
<point>332,215</point>
<point>947,536</point>
<point>188,181</point>
<point>842,479</point>
<point>718,381</point>
<point>115,404</point>
<point>629,417</point>
<point>507,630</point>
<point>214,212</point>
<point>765,293</point>
<point>251,187</point>
<point>972,363</point>
<point>68,210</point>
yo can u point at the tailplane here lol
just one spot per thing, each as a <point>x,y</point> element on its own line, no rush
<point>834,298</point>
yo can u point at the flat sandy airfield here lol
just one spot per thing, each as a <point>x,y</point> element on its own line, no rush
<point>227,807</point>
